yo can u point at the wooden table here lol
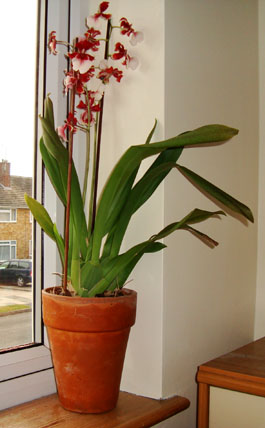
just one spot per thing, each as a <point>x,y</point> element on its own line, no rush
<point>242,370</point>
<point>132,411</point>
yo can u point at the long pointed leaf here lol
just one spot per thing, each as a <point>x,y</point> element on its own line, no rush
<point>75,263</point>
<point>217,193</point>
<point>149,138</point>
<point>205,238</point>
<point>59,242</point>
<point>53,171</point>
<point>41,216</point>
<point>48,110</point>
<point>195,216</point>
<point>57,151</point>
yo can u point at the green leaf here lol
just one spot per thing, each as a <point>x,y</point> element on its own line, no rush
<point>131,160</point>
<point>217,193</point>
<point>59,153</point>
<point>149,138</point>
<point>41,216</point>
<point>54,145</point>
<point>91,274</point>
<point>205,238</point>
<point>59,242</point>
<point>48,110</point>
<point>53,171</point>
<point>75,263</point>
<point>195,216</point>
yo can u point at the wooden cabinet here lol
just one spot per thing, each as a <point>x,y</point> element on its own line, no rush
<point>240,371</point>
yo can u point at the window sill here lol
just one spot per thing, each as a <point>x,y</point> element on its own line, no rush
<point>132,411</point>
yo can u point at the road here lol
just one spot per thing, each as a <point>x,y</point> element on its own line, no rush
<point>11,295</point>
<point>15,329</point>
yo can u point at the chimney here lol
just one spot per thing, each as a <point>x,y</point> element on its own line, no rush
<point>5,173</point>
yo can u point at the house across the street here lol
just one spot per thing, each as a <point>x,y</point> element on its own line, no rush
<point>15,217</point>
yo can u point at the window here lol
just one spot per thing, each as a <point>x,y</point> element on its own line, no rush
<point>8,215</point>
<point>7,250</point>
<point>26,372</point>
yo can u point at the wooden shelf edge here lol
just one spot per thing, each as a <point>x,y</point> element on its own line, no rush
<point>132,411</point>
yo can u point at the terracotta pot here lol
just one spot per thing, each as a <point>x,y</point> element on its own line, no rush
<point>88,339</point>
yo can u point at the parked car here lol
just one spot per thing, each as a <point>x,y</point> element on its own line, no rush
<point>16,272</point>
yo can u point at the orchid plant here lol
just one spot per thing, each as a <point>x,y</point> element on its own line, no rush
<point>90,249</point>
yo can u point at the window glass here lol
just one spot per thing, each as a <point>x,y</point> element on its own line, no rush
<point>7,250</point>
<point>7,215</point>
<point>13,265</point>
<point>4,215</point>
<point>16,170</point>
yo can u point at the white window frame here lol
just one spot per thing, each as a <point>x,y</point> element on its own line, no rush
<point>12,213</point>
<point>27,373</point>
<point>30,248</point>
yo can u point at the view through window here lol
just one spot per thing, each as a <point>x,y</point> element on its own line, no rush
<point>16,170</point>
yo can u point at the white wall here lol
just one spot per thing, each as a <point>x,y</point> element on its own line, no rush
<point>209,295</point>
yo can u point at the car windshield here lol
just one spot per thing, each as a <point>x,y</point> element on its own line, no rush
<point>4,265</point>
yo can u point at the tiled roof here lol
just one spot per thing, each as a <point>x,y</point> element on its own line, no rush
<point>13,196</point>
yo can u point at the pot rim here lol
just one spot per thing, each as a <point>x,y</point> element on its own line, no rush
<point>99,299</point>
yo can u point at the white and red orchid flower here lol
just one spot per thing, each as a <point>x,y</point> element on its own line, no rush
<point>94,19</point>
<point>121,52</point>
<point>92,42</point>
<point>137,37</point>
<point>76,80</point>
<point>61,132</point>
<point>126,27</point>
<point>107,72</point>
<point>132,62</point>
<point>52,43</point>
<point>81,60</point>
<point>96,88</point>
<point>70,124</point>
<point>93,108</point>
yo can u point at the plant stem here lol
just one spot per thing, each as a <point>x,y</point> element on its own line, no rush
<point>87,151</point>
<point>91,202</point>
<point>69,179</point>
<point>106,54</point>
<point>87,165</point>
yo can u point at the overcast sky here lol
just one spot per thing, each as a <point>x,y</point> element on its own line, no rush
<point>17,75</point>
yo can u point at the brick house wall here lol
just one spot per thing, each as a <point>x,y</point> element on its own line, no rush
<point>12,190</point>
<point>19,231</point>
